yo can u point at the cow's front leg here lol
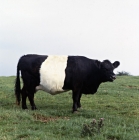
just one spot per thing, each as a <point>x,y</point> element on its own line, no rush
<point>75,97</point>
<point>78,103</point>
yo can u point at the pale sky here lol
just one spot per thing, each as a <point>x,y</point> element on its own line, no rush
<point>98,29</point>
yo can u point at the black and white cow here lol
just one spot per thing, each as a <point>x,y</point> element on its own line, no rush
<point>56,74</point>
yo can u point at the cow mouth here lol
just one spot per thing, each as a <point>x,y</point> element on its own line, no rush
<point>112,78</point>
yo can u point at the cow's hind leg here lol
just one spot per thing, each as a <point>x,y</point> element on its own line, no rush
<point>24,97</point>
<point>31,98</point>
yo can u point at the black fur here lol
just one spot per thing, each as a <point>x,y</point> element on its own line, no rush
<point>29,66</point>
<point>84,75</point>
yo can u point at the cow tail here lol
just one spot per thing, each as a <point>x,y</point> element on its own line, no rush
<point>17,86</point>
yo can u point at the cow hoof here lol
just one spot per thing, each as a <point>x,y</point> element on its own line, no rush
<point>75,112</point>
<point>17,103</point>
<point>24,108</point>
<point>33,108</point>
<point>79,107</point>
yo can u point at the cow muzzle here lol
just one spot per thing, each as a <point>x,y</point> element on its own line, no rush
<point>113,77</point>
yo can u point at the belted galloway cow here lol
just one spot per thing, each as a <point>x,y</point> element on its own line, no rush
<point>56,74</point>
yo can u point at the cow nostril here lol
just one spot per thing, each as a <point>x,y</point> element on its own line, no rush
<point>114,77</point>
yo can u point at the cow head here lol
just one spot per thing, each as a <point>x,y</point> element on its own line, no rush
<point>106,69</point>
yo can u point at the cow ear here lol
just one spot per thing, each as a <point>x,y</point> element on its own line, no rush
<point>116,64</point>
<point>98,63</point>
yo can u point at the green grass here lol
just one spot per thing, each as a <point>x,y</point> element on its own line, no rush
<point>117,103</point>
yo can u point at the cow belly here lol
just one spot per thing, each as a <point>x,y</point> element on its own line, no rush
<point>51,90</point>
<point>52,74</point>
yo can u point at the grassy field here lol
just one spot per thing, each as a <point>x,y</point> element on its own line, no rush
<point>117,103</point>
